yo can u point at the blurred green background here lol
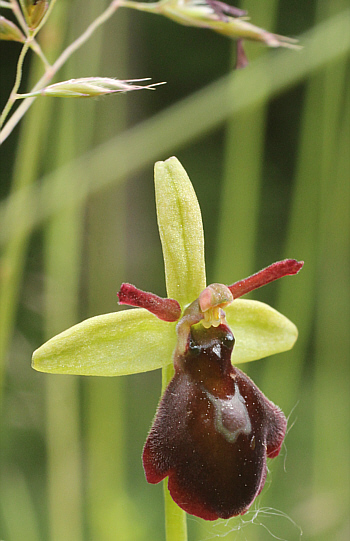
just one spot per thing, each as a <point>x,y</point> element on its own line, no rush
<point>268,152</point>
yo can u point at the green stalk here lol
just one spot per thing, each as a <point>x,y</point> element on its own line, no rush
<point>29,156</point>
<point>109,510</point>
<point>302,239</point>
<point>331,405</point>
<point>301,244</point>
<point>30,152</point>
<point>64,474</point>
<point>63,244</point>
<point>243,164</point>
<point>18,79</point>
<point>62,263</point>
<point>150,7</point>
<point>15,494</point>
<point>281,380</point>
<point>330,463</point>
<point>285,376</point>
<point>175,518</point>
<point>14,6</point>
<point>13,256</point>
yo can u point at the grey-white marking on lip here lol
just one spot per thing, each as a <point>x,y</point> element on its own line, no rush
<point>231,415</point>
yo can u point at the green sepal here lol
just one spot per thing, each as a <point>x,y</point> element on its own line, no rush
<point>113,344</point>
<point>259,330</point>
<point>181,232</point>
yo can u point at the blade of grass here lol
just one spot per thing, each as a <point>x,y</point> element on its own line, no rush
<point>318,139</point>
<point>108,506</point>
<point>28,159</point>
<point>16,494</point>
<point>331,471</point>
<point>301,242</point>
<point>284,378</point>
<point>63,241</point>
<point>244,154</point>
<point>31,150</point>
<point>32,142</point>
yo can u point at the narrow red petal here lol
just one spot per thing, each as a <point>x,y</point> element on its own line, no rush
<point>165,309</point>
<point>265,276</point>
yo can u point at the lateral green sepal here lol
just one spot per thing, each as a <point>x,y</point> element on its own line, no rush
<point>259,330</point>
<point>115,344</point>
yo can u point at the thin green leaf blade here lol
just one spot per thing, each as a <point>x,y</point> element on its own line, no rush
<point>114,344</point>
<point>181,231</point>
<point>259,330</point>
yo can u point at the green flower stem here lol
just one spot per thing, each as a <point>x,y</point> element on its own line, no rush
<point>13,95</point>
<point>63,241</point>
<point>37,49</point>
<point>109,508</point>
<point>330,464</point>
<point>319,128</point>
<point>19,16</point>
<point>175,518</point>
<point>244,156</point>
<point>151,7</point>
<point>27,162</point>
<point>22,4</point>
<point>17,493</point>
<point>63,459</point>
<point>49,74</point>
<point>302,238</point>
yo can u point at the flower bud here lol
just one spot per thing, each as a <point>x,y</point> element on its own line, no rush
<point>89,87</point>
<point>9,31</point>
<point>34,11</point>
<point>221,18</point>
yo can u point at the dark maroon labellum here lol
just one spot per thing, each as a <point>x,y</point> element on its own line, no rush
<point>213,430</point>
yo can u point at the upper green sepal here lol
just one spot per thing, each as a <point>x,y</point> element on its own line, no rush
<point>113,344</point>
<point>259,330</point>
<point>181,231</point>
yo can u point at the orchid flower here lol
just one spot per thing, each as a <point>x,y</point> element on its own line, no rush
<point>214,428</point>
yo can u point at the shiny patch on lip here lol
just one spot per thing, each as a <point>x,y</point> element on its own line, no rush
<point>231,415</point>
<point>217,350</point>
